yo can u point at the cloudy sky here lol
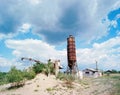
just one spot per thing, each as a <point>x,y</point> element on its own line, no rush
<point>39,29</point>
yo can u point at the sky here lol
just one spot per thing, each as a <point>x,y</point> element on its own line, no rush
<point>39,29</point>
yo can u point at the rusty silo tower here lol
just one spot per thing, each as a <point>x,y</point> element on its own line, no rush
<point>71,54</point>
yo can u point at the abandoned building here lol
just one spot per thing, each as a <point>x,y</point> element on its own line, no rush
<point>88,72</point>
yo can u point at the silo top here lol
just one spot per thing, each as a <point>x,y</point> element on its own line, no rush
<point>70,38</point>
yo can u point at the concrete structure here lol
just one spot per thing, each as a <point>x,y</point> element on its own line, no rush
<point>57,66</point>
<point>79,74</point>
<point>92,73</point>
<point>71,54</point>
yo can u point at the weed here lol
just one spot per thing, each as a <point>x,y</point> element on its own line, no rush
<point>36,90</point>
<point>49,89</point>
<point>38,86</point>
<point>69,84</point>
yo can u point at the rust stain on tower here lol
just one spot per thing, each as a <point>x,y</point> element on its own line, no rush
<point>71,53</point>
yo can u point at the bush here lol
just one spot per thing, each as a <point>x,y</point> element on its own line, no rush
<point>51,67</point>
<point>29,74</point>
<point>38,67</point>
<point>45,68</point>
<point>3,78</point>
<point>14,75</point>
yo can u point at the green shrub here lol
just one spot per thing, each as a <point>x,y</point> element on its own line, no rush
<point>61,76</point>
<point>68,78</point>
<point>50,89</point>
<point>29,74</point>
<point>45,68</point>
<point>14,75</point>
<point>51,67</point>
<point>3,78</point>
<point>38,67</point>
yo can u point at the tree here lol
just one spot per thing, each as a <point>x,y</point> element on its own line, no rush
<point>113,71</point>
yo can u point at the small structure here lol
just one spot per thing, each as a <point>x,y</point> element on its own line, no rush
<point>57,66</point>
<point>92,73</point>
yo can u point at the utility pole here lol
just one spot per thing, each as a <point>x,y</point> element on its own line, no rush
<point>96,65</point>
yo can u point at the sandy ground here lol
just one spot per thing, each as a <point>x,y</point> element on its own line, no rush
<point>43,85</point>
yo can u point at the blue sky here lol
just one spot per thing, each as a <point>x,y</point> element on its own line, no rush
<point>39,29</point>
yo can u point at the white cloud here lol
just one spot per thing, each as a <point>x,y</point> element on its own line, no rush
<point>25,28</point>
<point>114,23</point>
<point>46,15</point>
<point>8,63</point>
<point>118,16</point>
<point>106,53</point>
<point>35,2</point>
<point>35,49</point>
<point>4,62</point>
<point>116,4</point>
<point>111,43</point>
<point>118,33</point>
<point>4,36</point>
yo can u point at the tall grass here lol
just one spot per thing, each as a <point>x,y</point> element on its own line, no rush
<point>116,86</point>
<point>114,81</point>
<point>67,78</point>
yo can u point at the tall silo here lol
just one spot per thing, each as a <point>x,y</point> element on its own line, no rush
<point>71,54</point>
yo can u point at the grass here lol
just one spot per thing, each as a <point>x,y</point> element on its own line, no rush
<point>116,85</point>
<point>105,84</point>
<point>68,78</point>
<point>69,84</point>
<point>36,90</point>
<point>109,83</point>
<point>50,89</point>
<point>38,85</point>
<point>113,80</point>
